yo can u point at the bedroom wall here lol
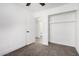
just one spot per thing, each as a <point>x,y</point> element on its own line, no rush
<point>15,21</point>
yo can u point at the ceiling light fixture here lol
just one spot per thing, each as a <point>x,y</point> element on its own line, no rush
<point>42,4</point>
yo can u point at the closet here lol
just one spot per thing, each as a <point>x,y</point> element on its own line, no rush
<point>62,28</point>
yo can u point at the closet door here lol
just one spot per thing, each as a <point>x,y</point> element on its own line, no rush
<point>62,28</point>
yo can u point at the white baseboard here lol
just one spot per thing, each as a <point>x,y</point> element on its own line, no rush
<point>62,44</point>
<point>19,47</point>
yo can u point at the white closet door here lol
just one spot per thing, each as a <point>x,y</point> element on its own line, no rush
<point>63,32</point>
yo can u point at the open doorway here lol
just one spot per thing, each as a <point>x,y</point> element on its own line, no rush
<point>39,33</point>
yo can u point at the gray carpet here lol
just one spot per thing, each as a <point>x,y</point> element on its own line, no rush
<point>37,49</point>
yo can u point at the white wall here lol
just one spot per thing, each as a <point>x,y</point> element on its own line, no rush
<point>77,30</point>
<point>14,22</point>
<point>64,8</point>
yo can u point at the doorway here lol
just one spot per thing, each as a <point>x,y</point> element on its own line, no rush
<point>39,30</point>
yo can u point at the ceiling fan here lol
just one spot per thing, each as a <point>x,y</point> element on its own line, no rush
<point>42,4</point>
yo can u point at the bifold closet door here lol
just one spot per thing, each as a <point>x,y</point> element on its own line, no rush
<point>62,28</point>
